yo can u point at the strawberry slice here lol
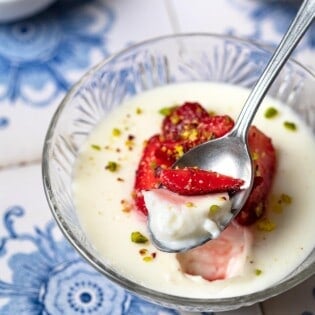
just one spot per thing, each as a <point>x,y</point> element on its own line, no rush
<point>264,159</point>
<point>193,181</point>
<point>214,126</point>
<point>181,123</point>
<point>147,172</point>
<point>221,258</point>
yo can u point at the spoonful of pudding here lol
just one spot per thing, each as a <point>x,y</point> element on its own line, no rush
<point>228,155</point>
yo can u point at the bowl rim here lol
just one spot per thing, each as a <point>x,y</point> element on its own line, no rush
<point>186,303</point>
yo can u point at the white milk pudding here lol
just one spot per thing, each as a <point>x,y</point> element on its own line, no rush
<point>180,221</point>
<point>262,254</point>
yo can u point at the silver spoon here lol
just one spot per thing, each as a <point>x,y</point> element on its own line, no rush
<point>229,154</point>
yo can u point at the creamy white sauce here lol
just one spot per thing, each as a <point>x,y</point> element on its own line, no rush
<point>181,222</point>
<point>101,196</point>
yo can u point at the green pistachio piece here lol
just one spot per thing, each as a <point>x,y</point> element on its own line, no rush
<point>138,238</point>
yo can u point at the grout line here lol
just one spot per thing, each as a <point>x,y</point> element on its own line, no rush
<point>172,14</point>
<point>20,164</point>
<point>261,308</point>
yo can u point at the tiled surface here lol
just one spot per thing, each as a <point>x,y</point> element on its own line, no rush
<point>40,58</point>
<point>35,72</point>
<point>299,300</point>
<point>262,21</point>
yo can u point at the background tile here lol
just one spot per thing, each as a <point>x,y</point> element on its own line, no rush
<point>35,72</point>
<point>262,21</point>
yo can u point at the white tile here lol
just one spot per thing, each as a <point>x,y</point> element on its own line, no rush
<point>22,187</point>
<point>211,16</point>
<point>293,302</point>
<point>138,20</point>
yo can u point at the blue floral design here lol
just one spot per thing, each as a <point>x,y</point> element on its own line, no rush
<point>54,280</point>
<point>4,122</point>
<point>279,14</point>
<point>38,54</point>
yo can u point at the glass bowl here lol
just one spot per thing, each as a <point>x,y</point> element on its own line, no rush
<point>153,63</point>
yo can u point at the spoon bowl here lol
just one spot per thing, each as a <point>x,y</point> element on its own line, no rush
<point>229,155</point>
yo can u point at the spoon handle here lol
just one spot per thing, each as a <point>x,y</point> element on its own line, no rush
<point>293,35</point>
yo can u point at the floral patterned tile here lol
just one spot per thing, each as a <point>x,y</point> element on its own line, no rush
<point>36,261</point>
<point>42,56</point>
<point>258,20</point>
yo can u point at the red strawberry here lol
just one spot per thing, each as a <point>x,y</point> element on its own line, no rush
<point>182,121</point>
<point>214,126</point>
<point>264,158</point>
<point>192,181</point>
<point>222,258</point>
<point>187,126</point>
<point>147,171</point>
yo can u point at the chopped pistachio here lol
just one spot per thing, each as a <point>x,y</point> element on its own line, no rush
<point>96,147</point>
<point>258,272</point>
<point>147,258</point>
<point>116,132</point>
<point>165,111</point>
<point>286,198</point>
<point>213,209</point>
<point>175,119</point>
<point>143,251</point>
<point>153,165</point>
<point>138,237</point>
<point>259,210</point>
<point>130,142</point>
<point>290,125</point>
<point>126,206</point>
<point>191,134</point>
<point>179,150</point>
<point>189,204</point>
<point>266,225</point>
<point>112,166</point>
<point>277,207</point>
<point>255,156</point>
<point>271,112</point>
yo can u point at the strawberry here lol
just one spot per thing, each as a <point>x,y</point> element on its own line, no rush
<point>147,171</point>
<point>182,121</point>
<point>222,258</point>
<point>185,127</point>
<point>214,126</point>
<point>264,159</point>
<point>193,181</point>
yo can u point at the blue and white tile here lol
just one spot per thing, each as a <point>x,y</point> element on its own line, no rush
<point>42,56</point>
<point>261,21</point>
<point>36,261</point>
